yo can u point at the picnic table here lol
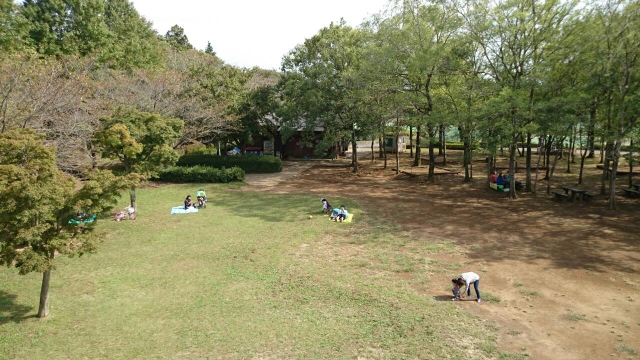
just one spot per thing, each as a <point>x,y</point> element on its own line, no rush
<point>572,192</point>
<point>635,192</point>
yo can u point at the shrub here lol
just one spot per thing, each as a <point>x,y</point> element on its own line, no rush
<point>250,164</point>
<point>200,174</point>
<point>202,150</point>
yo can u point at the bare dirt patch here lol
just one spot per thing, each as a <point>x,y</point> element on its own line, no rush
<point>564,275</point>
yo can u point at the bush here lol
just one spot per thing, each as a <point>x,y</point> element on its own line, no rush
<point>200,174</point>
<point>250,164</point>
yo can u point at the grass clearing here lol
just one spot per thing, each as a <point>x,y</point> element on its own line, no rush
<point>622,348</point>
<point>490,297</point>
<point>574,317</point>
<point>518,284</point>
<point>527,292</point>
<point>237,280</point>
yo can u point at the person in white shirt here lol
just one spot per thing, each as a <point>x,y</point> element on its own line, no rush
<point>468,278</point>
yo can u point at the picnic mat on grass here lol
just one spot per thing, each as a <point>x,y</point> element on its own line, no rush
<point>181,210</point>
<point>347,220</point>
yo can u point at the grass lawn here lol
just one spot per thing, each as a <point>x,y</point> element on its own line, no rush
<point>249,277</point>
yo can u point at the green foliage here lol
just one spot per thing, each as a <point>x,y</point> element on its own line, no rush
<point>250,164</point>
<point>209,49</point>
<point>322,84</point>
<point>177,38</point>
<point>39,200</point>
<point>141,141</point>
<point>14,28</point>
<point>624,348</point>
<point>112,30</point>
<point>200,174</point>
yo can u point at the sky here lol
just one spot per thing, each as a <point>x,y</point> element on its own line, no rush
<point>250,33</point>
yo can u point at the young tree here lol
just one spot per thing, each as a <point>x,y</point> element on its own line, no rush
<point>209,49</point>
<point>142,142</point>
<point>38,203</point>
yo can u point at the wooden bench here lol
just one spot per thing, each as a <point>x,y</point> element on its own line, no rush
<point>587,196</point>
<point>560,195</point>
<point>631,193</point>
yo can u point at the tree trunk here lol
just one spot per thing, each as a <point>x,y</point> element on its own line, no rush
<point>466,155</point>
<point>553,168</point>
<point>373,153</point>
<point>380,146</point>
<point>591,133</point>
<point>396,147</point>
<point>43,309</point>
<point>417,160</point>
<point>535,184</point>
<point>489,169</point>
<point>528,163</point>
<point>612,179</point>
<point>432,156</point>
<point>132,197</point>
<point>354,152</point>
<point>512,168</point>
<point>440,139</point>
<point>602,146</point>
<point>548,146</point>
<point>444,147</point>
<point>582,158</point>
<point>631,164</point>
<point>411,141</point>
<point>384,153</point>
<point>570,150</point>
<point>470,157</point>
<point>605,171</point>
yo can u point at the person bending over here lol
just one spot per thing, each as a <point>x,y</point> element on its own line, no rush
<point>468,278</point>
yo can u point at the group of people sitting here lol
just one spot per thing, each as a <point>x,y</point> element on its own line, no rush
<point>503,180</point>
<point>200,202</point>
<point>337,214</point>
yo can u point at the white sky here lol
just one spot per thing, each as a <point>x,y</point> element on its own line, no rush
<point>251,33</point>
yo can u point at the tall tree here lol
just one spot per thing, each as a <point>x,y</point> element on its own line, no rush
<point>516,37</point>
<point>14,28</point>
<point>321,86</point>
<point>38,203</point>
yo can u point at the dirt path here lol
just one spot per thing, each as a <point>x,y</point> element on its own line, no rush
<point>567,274</point>
<point>290,169</point>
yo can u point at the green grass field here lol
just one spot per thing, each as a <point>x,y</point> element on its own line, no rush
<point>250,277</point>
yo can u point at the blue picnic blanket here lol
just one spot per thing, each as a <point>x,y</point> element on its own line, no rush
<point>181,210</point>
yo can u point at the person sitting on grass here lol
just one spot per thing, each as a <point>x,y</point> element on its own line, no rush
<point>494,177</point>
<point>200,201</point>
<point>500,180</point>
<point>187,202</point>
<point>341,214</point>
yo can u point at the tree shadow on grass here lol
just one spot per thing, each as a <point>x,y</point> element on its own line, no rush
<point>273,208</point>
<point>10,311</point>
